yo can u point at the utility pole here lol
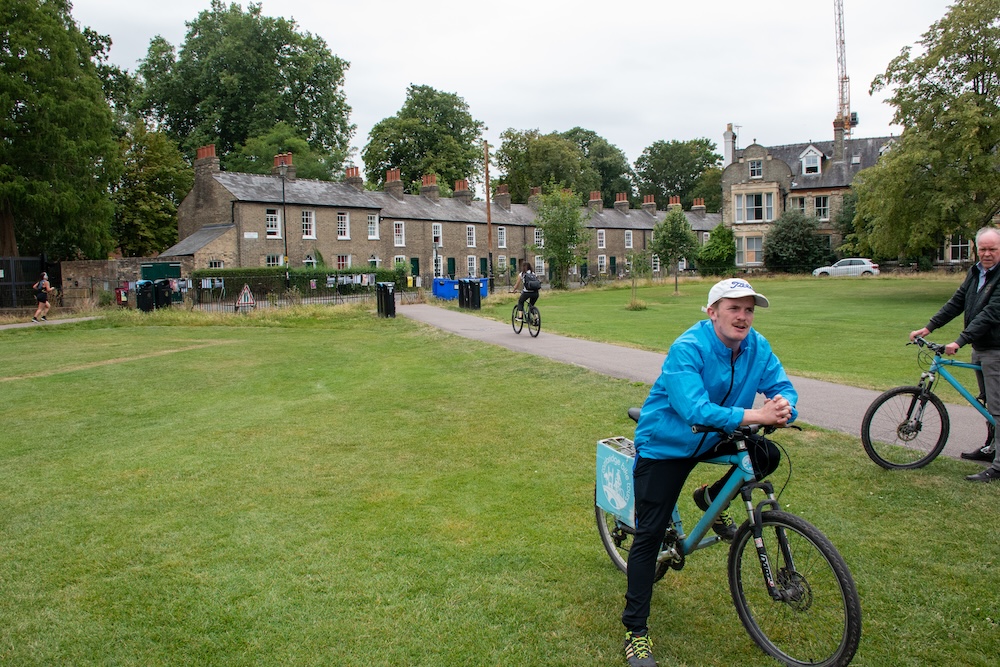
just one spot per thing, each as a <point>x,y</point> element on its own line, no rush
<point>489,221</point>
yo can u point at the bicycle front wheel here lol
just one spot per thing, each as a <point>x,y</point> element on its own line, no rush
<point>534,322</point>
<point>516,321</point>
<point>817,618</point>
<point>905,428</point>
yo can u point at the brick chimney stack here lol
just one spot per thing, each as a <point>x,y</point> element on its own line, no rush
<point>621,202</point>
<point>649,203</point>
<point>429,187</point>
<point>596,202</point>
<point>462,192</point>
<point>675,202</point>
<point>393,185</point>
<point>698,205</point>
<point>535,198</point>
<point>286,160</point>
<point>354,178</point>
<point>502,197</point>
<point>206,164</point>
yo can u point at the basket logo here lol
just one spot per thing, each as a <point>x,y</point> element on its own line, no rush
<point>616,481</point>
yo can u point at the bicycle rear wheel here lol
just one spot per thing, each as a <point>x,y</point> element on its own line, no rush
<point>905,428</point>
<point>534,322</point>
<point>617,539</point>
<point>817,621</point>
<point>515,321</point>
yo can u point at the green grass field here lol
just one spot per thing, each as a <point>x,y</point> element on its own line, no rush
<point>324,487</point>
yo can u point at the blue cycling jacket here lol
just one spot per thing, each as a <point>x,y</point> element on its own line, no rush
<point>702,384</point>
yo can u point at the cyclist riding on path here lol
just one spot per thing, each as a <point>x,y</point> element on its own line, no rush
<point>529,284</point>
<point>711,376</point>
<point>979,300</point>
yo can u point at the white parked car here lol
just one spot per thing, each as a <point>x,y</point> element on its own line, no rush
<point>849,266</point>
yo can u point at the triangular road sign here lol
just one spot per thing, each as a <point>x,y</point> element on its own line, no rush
<point>245,299</point>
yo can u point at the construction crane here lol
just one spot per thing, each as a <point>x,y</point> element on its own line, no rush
<point>844,115</point>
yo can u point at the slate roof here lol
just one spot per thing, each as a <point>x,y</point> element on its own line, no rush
<point>197,241</point>
<point>858,154</point>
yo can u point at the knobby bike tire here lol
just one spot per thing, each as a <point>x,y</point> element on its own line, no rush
<point>905,428</point>
<point>818,622</point>
<point>617,540</point>
<point>518,324</point>
<point>534,322</point>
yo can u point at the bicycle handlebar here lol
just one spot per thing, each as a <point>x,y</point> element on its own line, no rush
<point>749,429</point>
<point>920,341</point>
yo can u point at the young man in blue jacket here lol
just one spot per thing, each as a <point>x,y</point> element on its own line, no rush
<point>711,376</point>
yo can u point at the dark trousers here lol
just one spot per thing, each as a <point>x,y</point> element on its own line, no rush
<point>658,484</point>
<point>530,297</point>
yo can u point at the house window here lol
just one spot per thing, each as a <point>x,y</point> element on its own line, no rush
<point>373,226</point>
<point>272,260</point>
<point>856,158</point>
<point>601,239</point>
<point>438,263</point>
<point>215,264</point>
<point>399,259</point>
<point>470,236</point>
<point>754,207</point>
<point>961,249</point>
<point>310,261</point>
<point>823,207</point>
<point>602,263</point>
<point>539,238</point>
<point>272,223</point>
<point>628,238</point>
<point>470,265</point>
<point>748,250</point>
<point>501,262</point>
<point>398,234</point>
<point>343,226</point>
<point>810,164</point>
<point>656,264</point>
<point>798,204</point>
<point>756,168</point>
<point>436,235</point>
<point>343,261</point>
<point>539,265</point>
<point>501,237</point>
<point>308,224</point>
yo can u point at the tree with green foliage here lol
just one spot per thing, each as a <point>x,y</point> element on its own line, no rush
<point>718,256</point>
<point>256,156</point>
<point>672,168</point>
<point>793,244</point>
<point>608,161</point>
<point>639,266</point>
<point>566,237</point>
<point>942,177</point>
<point>673,240</point>
<point>527,159</point>
<point>433,133</point>
<point>155,180</point>
<point>237,74</point>
<point>58,154</point>
<point>709,187</point>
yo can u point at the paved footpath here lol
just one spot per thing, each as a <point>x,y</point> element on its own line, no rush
<point>824,404</point>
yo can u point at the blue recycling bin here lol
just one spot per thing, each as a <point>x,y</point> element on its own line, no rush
<point>445,288</point>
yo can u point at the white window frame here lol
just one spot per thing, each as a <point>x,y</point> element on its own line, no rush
<point>742,248</point>
<point>471,262</point>
<point>272,223</point>
<point>756,168</point>
<point>437,234</point>
<point>602,264</point>
<point>540,265</point>
<point>343,262</point>
<point>501,262</point>
<point>470,236</point>
<point>628,238</point>
<point>501,237</point>
<point>822,211</point>
<point>373,227</point>
<point>742,207</point>
<point>438,264</point>
<point>811,164</point>
<point>655,264</point>
<point>308,224</point>
<point>343,226</point>
<point>399,234</point>
<point>539,238</point>
<point>601,240</point>
<point>216,264</point>
<point>272,259</point>
<point>398,259</point>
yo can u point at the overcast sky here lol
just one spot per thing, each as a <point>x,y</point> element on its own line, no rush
<point>633,71</point>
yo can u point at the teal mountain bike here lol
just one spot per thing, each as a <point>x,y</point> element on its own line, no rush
<point>792,590</point>
<point>907,427</point>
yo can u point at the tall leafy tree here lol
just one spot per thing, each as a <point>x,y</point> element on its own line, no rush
<point>528,159</point>
<point>608,161</point>
<point>155,180</point>
<point>672,168</point>
<point>673,240</point>
<point>433,133</point>
<point>257,155</point>
<point>942,177</point>
<point>718,256</point>
<point>793,244</point>
<point>58,154</point>
<point>564,229</point>
<point>237,73</point>
<point>709,187</point>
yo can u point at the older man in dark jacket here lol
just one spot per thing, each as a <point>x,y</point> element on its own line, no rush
<point>979,300</point>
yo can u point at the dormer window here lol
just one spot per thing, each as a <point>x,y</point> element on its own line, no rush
<point>810,164</point>
<point>756,168</point>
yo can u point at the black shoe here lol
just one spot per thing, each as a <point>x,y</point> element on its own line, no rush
<point>989,475</point>
<point>44,319</point>
<point>724,526</point>
<point>639,650</point>
<point>984,453</point>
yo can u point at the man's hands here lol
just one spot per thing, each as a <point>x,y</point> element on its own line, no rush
<point>774,412</point>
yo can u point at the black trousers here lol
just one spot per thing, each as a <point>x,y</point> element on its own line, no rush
<point>658,484</point>
<point>530,297</point>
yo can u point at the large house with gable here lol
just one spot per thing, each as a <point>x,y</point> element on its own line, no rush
<point>760,183</point>
<point>232,220</point>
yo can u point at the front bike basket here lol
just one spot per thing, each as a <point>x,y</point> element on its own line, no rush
<point>615,492</point>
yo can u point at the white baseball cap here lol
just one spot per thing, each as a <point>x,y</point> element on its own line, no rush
<point>733,288</point>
